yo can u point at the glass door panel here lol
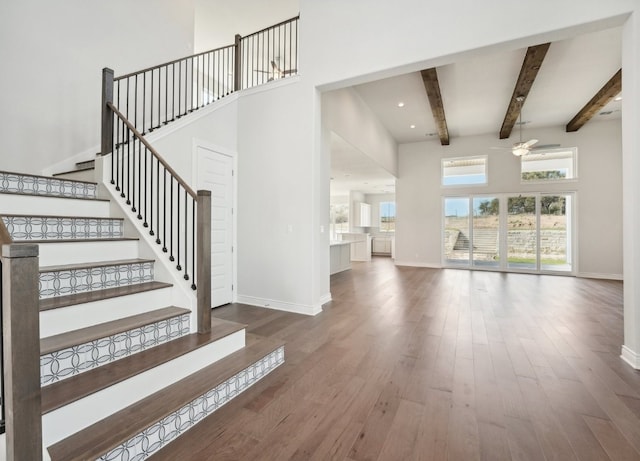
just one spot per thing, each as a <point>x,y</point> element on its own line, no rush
<point>555,233</point>
<point>522,237</point>
<point>486,225</point>
<point>456,232</point>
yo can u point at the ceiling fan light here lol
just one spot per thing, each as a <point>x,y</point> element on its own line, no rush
<point>520,151</point>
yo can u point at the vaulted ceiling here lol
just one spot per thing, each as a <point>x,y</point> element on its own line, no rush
<point>567,82</point>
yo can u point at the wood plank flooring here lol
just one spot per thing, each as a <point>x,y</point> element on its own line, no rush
<point>425,364</point>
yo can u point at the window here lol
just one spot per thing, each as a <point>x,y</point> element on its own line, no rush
<point>387,216</point>
<point>549,165</point>
<point>339,219</point>
<point>464,171</point>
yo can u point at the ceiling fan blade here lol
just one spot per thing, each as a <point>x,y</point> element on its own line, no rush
<point>530,143</point>
<point>546,146</point>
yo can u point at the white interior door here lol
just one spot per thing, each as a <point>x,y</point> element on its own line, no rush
<point>215,173</point>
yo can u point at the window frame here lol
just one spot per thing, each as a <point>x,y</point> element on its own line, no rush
<point>395,216</point>
<point>559,150</point>
<point>485,162</point>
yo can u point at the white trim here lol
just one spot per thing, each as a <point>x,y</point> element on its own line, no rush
<point>280,305</point>
<point>597,275</point>
<point>326,298</point>
<point>195,143</point>
<point>417,264</point>
<point>630,357</point>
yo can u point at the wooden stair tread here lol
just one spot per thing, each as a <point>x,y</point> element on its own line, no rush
<point>97,295</point>
<point>63,392</point>
<point>109,239</point>
<point>14,215</point>
<point>102,330</point>
<point>44,177</point>
<point>95,199</point>
<point>116,262</point>
<point>95,440</point>
<point>77,170</point>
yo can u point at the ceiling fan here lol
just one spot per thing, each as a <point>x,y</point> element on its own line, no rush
<point>521,148</point>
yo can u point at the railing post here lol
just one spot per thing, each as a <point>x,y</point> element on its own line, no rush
<point>237,71</point>
<point>203,235</point>
<point>21,349</point>
<point>106,144</point>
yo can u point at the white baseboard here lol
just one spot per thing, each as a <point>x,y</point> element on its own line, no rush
<point>630,357</point>
<point>280,305</point>
<point>596,275</point>
<point>325,299</point>
<point>418,264</point>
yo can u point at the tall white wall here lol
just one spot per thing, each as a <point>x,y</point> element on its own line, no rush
<point>52,57</point>
<point>598,189</point>
<point>347,115</point>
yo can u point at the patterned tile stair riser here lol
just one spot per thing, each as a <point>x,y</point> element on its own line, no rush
<point>62,228</point>
<point>37,185</point>
<point>65,363</point>
<point>164,431</point>
<point>72,281</point>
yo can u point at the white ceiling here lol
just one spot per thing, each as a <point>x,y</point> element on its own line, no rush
<point>476,92</point>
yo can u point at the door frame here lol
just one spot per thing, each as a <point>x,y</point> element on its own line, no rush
<point>196,143</point>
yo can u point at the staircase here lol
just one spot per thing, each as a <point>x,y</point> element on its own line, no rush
<point>123,371</point>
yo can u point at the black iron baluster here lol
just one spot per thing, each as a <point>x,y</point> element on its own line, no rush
<point>160,97</point>
<point>164,212</point>
<point>113,150</point>
<point>179,88</point>
<point>144,100</point>
<point>193,243</point>
<point>151,196</point>
<point>140,201</point>
<point>186,239</point>
<point>135,104</point>
<point>133,173</point>
<point>128,169</point>
<point>158,201</point>
<point>178,228</point>
<point>171,258</point>
<point>191,85</point>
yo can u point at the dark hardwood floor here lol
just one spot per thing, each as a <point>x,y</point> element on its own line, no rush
<point>426,364</point>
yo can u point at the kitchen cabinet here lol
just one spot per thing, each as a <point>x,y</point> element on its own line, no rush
<point>381,245</point>
<point>362,214</point>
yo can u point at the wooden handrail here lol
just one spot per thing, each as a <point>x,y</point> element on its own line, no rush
<point>155,153</point>
<point>131,74</point>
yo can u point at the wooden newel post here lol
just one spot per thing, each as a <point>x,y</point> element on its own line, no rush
<point>237,71</point>
<point>106,143</point>
<point>21,349</point>
<point>203,234</point>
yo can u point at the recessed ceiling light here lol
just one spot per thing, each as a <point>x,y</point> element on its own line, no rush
<point>400,104</point>
<point>431,134</point>
<point>619,98</point>
<point>412,126</point>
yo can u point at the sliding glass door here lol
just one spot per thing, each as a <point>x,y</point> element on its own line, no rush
<point>519,233</point>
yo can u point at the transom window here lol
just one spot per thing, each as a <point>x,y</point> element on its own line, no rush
<point>549,165</point>
<point>464,171</point>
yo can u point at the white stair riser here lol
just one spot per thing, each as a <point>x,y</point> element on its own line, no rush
<point>71,418</point>
<point>58,253</point>
<point>59,365</point>
<point>53,206</point>
<point>24,184</point>
<point>84,175</point>
<point>72,281</point>
<point>56,321</point>
<point>25,228</point>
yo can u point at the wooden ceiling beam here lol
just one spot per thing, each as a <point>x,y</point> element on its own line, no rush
<point>528,72</point>
<point>610,90</point>
<point>431,85</point>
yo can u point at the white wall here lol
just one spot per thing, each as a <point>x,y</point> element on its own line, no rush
<point>347,115</point>
<point>598,189</point>
<point>216,124</point>
<point>52,57</point>
<point>218,21</point>
<point>279,204</point>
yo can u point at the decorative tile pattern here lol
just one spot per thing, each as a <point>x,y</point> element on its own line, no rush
<point>37,185</point>
<point>164,431</point>
<point>59,228</point>
<point>65,363</point>
<point>67,282</point>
